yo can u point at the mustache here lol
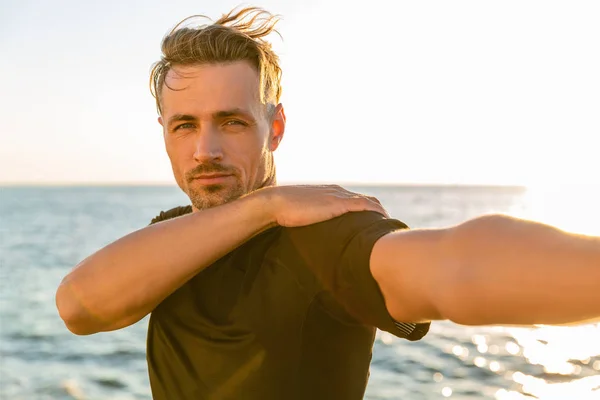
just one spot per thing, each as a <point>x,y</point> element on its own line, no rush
<point>210,168</point>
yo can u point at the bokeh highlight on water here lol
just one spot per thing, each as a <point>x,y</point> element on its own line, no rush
<point>45,231</point>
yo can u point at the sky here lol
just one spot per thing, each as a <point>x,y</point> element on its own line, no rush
<point>467,92</point>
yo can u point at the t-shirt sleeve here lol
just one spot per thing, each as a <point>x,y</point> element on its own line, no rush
<point>172,213</point>
<point>338,252</point>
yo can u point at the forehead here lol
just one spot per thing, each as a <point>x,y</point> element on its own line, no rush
<point>212,87</point>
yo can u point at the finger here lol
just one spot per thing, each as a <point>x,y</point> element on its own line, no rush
<point>366,204</point>
<point>375,199</point>
<point>379,206</point>
<point>358,200</point>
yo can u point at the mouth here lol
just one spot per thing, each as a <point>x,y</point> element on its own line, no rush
<point>211,179</point>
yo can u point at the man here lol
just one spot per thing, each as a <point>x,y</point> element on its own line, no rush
<point>264,292</point>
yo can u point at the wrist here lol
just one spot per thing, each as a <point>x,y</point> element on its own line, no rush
<point>264,202</point>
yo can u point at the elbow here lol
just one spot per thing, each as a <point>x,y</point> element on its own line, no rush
<point>462,298</point>
<point>468,290</point>
<point>458,293</point>
<point>453,305</point>
<point>74,316</point>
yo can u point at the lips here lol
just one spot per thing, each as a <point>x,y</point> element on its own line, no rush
<point>211,179</point>
<point>211,176</point>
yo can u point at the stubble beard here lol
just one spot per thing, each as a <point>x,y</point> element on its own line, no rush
<point>209,196</point>
<point>215,195</point>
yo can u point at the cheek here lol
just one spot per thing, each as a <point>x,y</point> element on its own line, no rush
<point>261,164</point>
<point>173,155</point>
<point>179,147</point>
<point>248,151</point>
<point>179,154</point>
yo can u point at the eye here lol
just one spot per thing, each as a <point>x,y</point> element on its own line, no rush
<point>235,122</point>
<point>187,125</point>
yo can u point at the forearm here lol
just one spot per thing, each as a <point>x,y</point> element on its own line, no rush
<point>124,281</point>
<point>508,271</point>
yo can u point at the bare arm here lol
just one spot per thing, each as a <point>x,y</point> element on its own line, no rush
<point>121,283</point>
<point>490,270</point>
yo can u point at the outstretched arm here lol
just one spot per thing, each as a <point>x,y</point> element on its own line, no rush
<point>493,269</point>
<point>121,283</point>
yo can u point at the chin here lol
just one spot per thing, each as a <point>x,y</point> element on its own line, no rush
<point>213,195</point>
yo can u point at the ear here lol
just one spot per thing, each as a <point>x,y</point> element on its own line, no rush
<point>160,121</point>
<point>277,127</point>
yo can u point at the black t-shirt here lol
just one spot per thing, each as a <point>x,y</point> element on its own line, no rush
<point>290,314</point>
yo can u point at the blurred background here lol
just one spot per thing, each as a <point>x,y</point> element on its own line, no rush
<point>443,110</point>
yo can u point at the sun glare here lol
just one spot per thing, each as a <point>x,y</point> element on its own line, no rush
<point>568,351</point>
<point>573,208</point>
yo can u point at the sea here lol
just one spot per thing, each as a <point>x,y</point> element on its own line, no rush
<point>45,231</point>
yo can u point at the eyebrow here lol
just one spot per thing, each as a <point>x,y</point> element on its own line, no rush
<point>216,115</point>
<point>181,117</point>
<point>232,113</point>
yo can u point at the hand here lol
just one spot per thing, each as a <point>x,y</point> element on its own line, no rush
<point>307,204</point>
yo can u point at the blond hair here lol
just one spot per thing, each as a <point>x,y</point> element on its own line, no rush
<point>236,36</point>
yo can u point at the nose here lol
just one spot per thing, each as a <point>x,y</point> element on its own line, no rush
<point>208,146</point>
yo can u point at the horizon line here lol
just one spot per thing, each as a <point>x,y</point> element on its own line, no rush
<point>281,183</point>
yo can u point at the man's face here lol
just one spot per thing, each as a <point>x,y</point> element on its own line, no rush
<point>218,135</point>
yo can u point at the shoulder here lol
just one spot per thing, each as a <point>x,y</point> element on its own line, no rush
<point>347,226</point>
<point>172,213</point>
<point>325,243</point>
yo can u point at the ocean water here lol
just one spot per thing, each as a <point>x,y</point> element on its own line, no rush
<point>45,231</point>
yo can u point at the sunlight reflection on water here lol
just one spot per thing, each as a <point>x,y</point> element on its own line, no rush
<point>53,228</point>
<point>561,351</point>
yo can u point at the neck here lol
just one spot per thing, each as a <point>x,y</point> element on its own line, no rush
<point>271,180</point>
